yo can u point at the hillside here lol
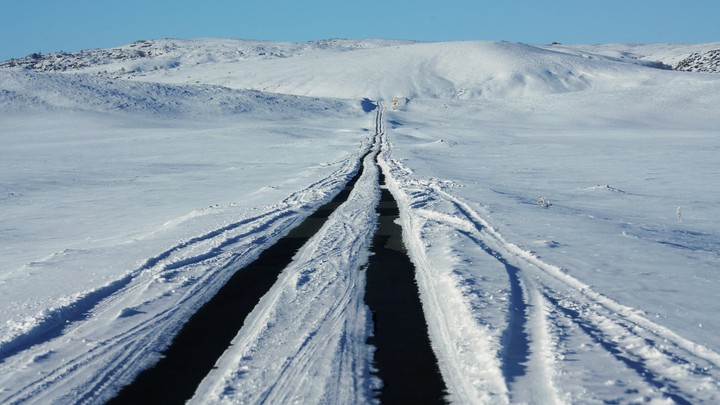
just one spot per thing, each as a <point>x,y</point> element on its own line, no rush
<point>464,70</point>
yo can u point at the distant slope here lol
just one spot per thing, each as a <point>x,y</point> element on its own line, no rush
<point>704,57</point>
<point>28,91</point>
<point>377,69</point>
<point>708,62</point>
<point>162,54</point>
<point>463,70</point>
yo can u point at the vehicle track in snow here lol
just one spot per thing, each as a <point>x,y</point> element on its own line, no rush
<point>551,318</point>
<point>306,341</point>
<point>675,367</point>
<point>86,350</point>
<point>404,358</point>
<point>310,328</point>
<point>106,339</point>
<point>205,336</point>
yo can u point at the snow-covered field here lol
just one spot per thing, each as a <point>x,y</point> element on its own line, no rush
<point>560,203</point>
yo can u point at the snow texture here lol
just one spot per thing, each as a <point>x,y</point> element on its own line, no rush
<point>559,202</point>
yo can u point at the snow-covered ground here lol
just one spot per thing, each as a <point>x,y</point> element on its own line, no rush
<point>560,203</point>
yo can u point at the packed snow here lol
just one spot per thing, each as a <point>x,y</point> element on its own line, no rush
<point>560,204</point>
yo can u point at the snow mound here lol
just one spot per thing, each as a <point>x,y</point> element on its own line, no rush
<point>604,187</point>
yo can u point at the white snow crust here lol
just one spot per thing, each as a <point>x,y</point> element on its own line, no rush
<point>560,204</point>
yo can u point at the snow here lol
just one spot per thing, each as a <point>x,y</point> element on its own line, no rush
<point>560,203</point>
<point>625,243</point>
<point>669,55</point>
<point>445,70</point>
<point>145,205</point>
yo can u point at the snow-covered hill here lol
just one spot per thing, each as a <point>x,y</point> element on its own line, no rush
<point>28,91</point>
<point>377,68</point>
<point>663,56</point>
<point>169,53</point>
<point>559,203</point>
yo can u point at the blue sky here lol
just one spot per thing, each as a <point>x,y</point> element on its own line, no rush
<point>28,26</point>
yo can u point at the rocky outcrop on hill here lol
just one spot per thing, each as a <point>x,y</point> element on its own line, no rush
<point>708,62</point>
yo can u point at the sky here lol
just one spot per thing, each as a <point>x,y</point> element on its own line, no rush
<point>28,26</point>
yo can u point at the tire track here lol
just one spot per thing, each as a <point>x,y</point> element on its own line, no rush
<point>193,351</point>
<point>52,323</point>
<point>667,366</point>
<point>662,366</point>
<point>107,336</point>
<point>305,340</point>
<point>466,350</point>
<point>404,358</point>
